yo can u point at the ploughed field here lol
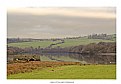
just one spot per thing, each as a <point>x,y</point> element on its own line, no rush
<point>59,70</point>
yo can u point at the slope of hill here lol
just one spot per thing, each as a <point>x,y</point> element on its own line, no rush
<point>67,42</point>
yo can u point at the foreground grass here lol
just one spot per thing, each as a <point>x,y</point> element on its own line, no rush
<point>70,72</point>
<point>23,66</point>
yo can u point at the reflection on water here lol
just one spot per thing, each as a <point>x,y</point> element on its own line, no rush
<point>84,59</point>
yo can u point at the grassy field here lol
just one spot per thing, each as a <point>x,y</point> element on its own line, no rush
<point>34,44</point>
<point>24,66</point>
<point>67,43</point>
<point>81,41</point>
<point>70,72</point>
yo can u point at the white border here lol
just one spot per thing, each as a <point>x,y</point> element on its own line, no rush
<point>4,4</point>
<point>58,3</point>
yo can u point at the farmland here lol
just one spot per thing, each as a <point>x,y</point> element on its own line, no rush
<point>61,43</point>
<point>71,71</point>
<point>23,66</point>
<point>34,44</point>
<point>67,43</point>
<point>81,41</point>
<point>61,58</point>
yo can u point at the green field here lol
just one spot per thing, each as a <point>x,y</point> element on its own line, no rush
<point>81,41</point>
<point>34,44</point>
<point>29,44</point>
<point>70,72</point>
<point>67,43</point>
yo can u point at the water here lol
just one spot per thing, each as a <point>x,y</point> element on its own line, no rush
<point>67,57</point>
<point>84,59</point>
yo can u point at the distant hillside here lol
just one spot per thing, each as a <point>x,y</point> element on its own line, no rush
<point>65,42</point>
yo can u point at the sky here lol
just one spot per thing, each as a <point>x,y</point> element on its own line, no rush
<point>60,22</point>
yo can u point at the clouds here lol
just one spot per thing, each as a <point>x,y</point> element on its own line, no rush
<point>72,12</point>
<point>60,22</point>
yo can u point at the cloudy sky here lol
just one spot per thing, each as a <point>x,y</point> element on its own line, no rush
<point>60,22</point>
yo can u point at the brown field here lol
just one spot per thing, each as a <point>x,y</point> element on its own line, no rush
<point>21,67</point>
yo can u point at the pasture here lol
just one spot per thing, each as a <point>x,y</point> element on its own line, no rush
<point>67,43</point>
<point>34,44</point>
<point>80,41</point>
<point>70,72</point>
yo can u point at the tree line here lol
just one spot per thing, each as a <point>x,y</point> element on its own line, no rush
<point>102,36</point>
<point>92,48</point>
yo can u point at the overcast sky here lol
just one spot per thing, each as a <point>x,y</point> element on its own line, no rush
<point>60,22</point>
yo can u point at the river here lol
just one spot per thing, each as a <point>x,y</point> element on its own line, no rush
<point>70,57</point>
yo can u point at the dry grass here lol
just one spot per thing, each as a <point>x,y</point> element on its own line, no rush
<point>22,67</point>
